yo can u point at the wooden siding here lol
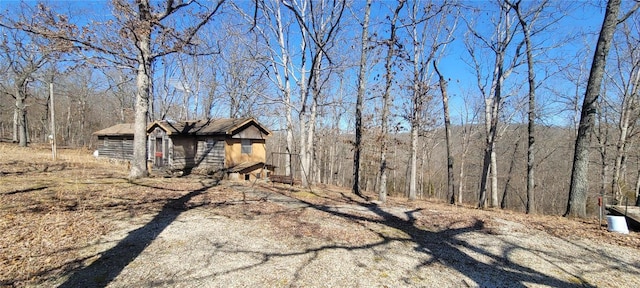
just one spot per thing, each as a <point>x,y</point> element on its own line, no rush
<point>190,152</point>
<point>210,153</point>
<point>159,152</point>
<point>183,152</point>
<point>115,147</point>
<point>234,155</point>
<point>250,132</point>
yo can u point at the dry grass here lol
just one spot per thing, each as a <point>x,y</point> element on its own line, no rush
<point>53,211</point>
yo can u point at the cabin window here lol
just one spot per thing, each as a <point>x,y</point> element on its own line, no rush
<point>246,146</point>
<point>210,144</point>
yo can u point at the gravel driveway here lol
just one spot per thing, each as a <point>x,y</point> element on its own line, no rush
<point>279,241</point>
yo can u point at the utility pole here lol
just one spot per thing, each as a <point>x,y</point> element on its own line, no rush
<point>52,136</point>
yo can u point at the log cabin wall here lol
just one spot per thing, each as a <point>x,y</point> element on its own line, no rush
<point>115,147</point>
<point>184,152</point>
<point>210,152</point>
<point>197,152</point>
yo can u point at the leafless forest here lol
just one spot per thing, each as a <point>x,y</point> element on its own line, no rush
<point>343,82</point>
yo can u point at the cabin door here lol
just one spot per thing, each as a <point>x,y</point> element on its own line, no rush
<point>159,153</point>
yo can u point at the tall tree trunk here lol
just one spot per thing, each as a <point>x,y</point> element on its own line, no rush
<point>531,200</point>
<point>311,145</point>
<point>492,114</point>
<point>386,103</point>
<point>461,176</point>
<point>447,128</point>
<point>302,116</point>
<point>578,190</point>
<point>357,149</point>
<point>531,203</point>
<point>52,123</point>
<point>498,43</point>
<point>490,130</point>
<point>20,113</point>
<point>413,158</point>
<point>143,83</point>
<point>16,119</point>
<point>494,176</point>
<point>304,166</point>
<point>284,82</point>
<point>628,105</point>
<point>21,120</point>
<point>415,107</point>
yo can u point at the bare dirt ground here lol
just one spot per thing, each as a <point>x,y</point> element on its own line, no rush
<point>77,222</point>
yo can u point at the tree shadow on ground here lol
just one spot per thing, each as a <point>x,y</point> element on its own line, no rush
<point>27,190</point>
<point>446,248</point>
<point>111,262</point>
<point>480,266</point>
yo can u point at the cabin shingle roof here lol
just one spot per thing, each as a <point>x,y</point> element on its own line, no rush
<point>224,126</point>
<point>116,130</point>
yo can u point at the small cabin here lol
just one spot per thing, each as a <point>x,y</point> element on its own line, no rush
<point>116,142</point>
<point>236,146</point>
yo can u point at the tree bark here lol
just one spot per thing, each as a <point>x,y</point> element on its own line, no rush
<point>357,147</point>
<point>16,131</point>
<point>54,148</point>
<point>490,130</point>
<point>447,128</point>
<point>492,113</point>
<point>624,125</point>
<point>579,186</point>
<point>494,176</point>
<point>498,43</point>
<point>531,113</point>
<point>143,83</point>
<point>413,158</point>
<point>286,91</point>
<point>21,113</point>
<point>386,103</point>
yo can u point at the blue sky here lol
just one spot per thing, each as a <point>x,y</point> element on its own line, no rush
<point>584,16</point>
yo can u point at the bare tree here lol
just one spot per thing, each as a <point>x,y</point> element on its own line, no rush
<point>451,194</point>
<point>139,34</point>
<point>467,132</point>
<point>280,60</point>
<point>627,53</point>
<point>386,102</point>
<point>362,76</point>
<point>429,31</point>
<point>25,55</point>
<point>498,43</point>
<point>319,26</point>
<point>120,86</point>
<point>526,23</point>
<point>577,202</point>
